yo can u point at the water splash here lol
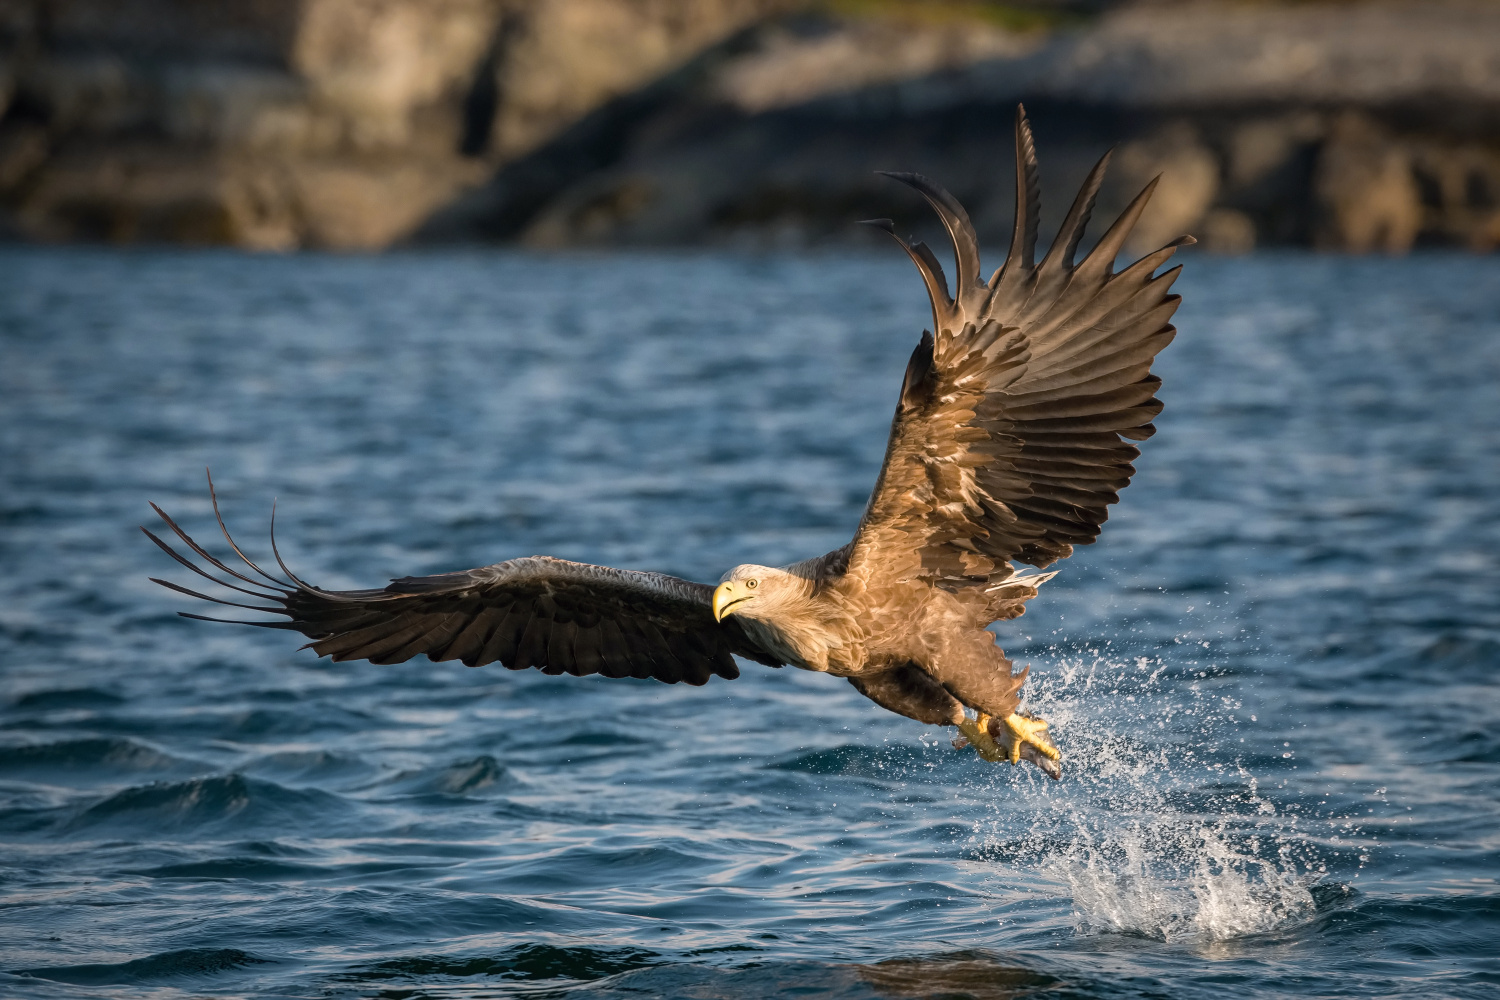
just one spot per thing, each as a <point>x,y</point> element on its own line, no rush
<point>1174,879</point>
<point>1151,834</point>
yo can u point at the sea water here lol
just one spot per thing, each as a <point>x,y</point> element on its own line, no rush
<point>1273,679</point>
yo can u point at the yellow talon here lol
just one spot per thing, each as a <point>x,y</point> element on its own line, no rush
<point>1033,731</point>
<point>978,733</point>
<point>1021,730</point>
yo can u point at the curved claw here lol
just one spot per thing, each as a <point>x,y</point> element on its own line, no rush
<point>1014,738</point>
<point>1029,731</point>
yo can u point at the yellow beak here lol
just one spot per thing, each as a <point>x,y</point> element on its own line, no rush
<point>727,594</point>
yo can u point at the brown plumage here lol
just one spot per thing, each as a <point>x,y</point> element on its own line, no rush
<point>1007,447</point>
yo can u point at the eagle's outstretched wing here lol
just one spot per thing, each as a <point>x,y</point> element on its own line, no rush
<point>559,616</point>
<point>1007,441</point>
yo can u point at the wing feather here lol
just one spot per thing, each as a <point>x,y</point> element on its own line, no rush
<point>390,648</point>
<point>358,644</point>
<point>560,648</point>
<point>613,649</point>
<point>555,615</point>
<point>467,644</point>
<point>588,655</point>
<point>531,651</point>
<point>501,646</point>
<point>1009,441</point>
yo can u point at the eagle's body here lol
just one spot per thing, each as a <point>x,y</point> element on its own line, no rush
<point>1006,447</point>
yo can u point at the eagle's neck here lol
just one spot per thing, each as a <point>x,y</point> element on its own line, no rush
<point>806,633</point>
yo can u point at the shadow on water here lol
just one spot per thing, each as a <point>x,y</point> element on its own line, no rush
<point>543,971</point>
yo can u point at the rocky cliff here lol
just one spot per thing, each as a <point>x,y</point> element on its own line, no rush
<point>1348,124</point>
<point>286,123</point>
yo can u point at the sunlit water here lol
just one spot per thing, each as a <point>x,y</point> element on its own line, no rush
<point>1274,680</point>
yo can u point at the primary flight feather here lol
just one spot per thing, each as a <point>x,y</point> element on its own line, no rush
<point>1008,445</point>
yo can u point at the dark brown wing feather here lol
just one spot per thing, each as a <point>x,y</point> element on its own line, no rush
<point>1007,443</point>
<point>558,616</point>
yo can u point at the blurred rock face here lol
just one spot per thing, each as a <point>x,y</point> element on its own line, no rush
<point>284,123</point>
<point>1360,125</point>
<point>1367,196</point>
<point>560,59</point>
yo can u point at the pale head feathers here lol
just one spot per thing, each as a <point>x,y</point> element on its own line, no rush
<point>761,592</point>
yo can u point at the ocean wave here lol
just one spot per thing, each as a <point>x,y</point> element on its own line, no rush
<point>251,869</point>
<point>66,698</point>
<point>321,768</point>
<point>95,760</point>
<point>230,801</point>
<point>483,775</point>
<point>170,965</point>
<point>587,867</point>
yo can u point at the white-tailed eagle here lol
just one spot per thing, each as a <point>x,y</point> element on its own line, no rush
<point>1008,446</point>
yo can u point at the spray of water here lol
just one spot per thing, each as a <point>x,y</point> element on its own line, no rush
<point>1158,829</point>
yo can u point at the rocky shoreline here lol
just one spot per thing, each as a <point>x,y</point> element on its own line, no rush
<point>1362,125</point>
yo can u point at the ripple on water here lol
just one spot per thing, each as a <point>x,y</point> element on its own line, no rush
<point>180,968</point>
<point>255,869</point>
<point>529,962</point>
<point>323,768</point>
<point>66,698</point>
<point>483,775</point>
<point>887,763</point>
<point>229,804</point>
<point>96,760</point>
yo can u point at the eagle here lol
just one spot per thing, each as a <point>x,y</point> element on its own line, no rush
<point>1010,440</point>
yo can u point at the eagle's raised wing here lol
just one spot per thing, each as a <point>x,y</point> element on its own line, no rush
<point>559,616</point>
<point>1007,441</point>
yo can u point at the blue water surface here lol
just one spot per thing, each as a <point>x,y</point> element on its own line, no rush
<point>1274,679</point>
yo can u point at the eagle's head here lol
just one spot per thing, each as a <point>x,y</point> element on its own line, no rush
<point>759,592</point>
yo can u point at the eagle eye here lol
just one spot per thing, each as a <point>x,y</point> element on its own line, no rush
<point>751,584</point>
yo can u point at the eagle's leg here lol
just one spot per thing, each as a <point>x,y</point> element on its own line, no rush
<point>908,691</point>
<point>976,733</point>
<point>974,670</point>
